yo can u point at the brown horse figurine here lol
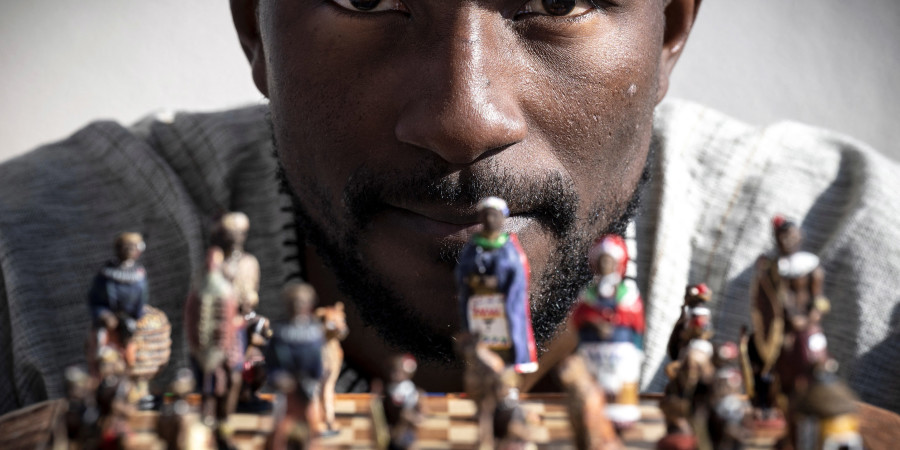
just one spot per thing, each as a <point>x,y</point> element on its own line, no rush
<point>334,322</point>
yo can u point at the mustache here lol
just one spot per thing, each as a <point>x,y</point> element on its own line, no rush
<point>549,196</point>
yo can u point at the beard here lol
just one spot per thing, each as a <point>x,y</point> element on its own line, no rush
<point>551,199</point>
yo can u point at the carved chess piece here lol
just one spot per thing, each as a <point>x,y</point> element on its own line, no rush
<point>787,344</point>
<point>82,415</point>
<point>176,426</point>
<point>116,300</point>
<point>609,319</point>
<point>334,323</point>
<point>294,363</point>
<point>727,405</point>
<point>402,404</point>
<point>694,322</point>
<point>825,415</point>
<point>587,407</point>
<point>492,278</point>
<point>213,326</point>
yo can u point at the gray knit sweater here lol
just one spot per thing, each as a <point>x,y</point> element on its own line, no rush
<point>706,217</point>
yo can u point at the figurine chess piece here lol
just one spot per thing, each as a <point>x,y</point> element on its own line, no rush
<point>609,318</point>
<point>727,405</point>
<point>787,304</point>
<point>694,322</point>
<point>294,363</point>
<point>402,404</point>
<point>213,327</point>
<point>153,346</point>
<point>492,385</point>
<point>825,416</point>
<point>81,427</point>
<point>116,300</point>
<point>334,323</point>
<point>686,396</point>
<point>257,333</point>
<point>492,279</point>
<point>112,400</point>
<point>176,426</point>
<point>586,407</point>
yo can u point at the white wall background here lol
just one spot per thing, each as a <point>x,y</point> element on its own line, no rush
<point>63,63</point>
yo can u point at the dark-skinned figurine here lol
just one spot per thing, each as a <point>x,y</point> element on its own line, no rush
<point>213,326</point>
<point>609,320</point>
<point>117,298</point>
<point>112,400</point>
<point>694,321</point>
<point>492,279</point>
<point>727,405</point>
<point>402,403</point>
<point>787,343</point>
<point>80,423</point>
<point>257,333</point>
<point>294,363</point>
<point>176,426</point>
<point>123,321</point>
<point>492,385</point>
<point>686,396</point>
<point>825,415</point>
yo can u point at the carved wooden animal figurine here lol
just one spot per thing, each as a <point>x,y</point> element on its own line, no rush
<point>334,323</point>
<point>586,408</point>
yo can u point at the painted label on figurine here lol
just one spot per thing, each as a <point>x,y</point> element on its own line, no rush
<point>613,363</point>
<point>487,318</point>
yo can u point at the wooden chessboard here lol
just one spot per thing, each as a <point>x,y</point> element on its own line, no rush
<point>449,424</point>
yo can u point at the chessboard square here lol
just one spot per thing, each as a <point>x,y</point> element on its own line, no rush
<point>346,406</point>
<point>461,407</point>
<point>462,433</point>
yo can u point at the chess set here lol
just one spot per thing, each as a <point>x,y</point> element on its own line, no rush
<point>776,387</point>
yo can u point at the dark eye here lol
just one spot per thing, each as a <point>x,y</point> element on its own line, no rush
<point>371,5</point>
<point>557,8</point>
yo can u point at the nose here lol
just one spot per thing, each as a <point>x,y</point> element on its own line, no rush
<point>463,101</point>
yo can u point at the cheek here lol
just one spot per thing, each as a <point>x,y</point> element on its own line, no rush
<point>327,99</point>
<point>600,94</point>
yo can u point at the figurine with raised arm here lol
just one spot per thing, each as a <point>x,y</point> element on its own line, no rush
<point>117,298</point>
<point>609,319</point>
<point>294,363</point>
<point>213,327</point>
<point>402,404</point>
<point>492,279</point>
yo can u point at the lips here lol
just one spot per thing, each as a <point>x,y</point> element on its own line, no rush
<point>445,224</point>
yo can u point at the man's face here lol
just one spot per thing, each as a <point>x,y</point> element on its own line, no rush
<point>393,119</point>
